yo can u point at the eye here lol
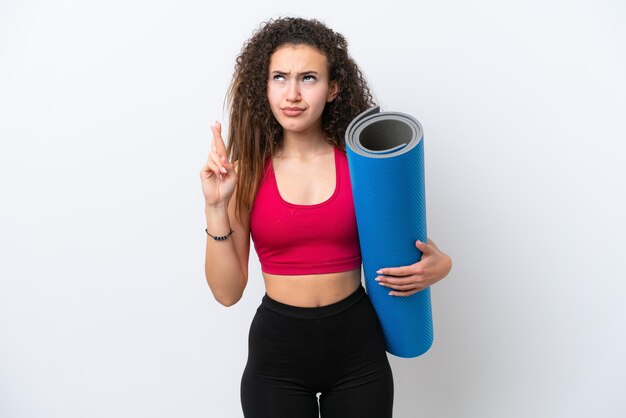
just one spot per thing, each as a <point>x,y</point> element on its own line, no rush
<point>309,77</point>
<point>278,77</point>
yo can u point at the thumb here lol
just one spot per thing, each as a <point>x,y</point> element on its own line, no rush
<point>423,247</point>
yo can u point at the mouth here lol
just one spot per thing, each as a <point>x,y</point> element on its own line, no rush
<point>292,111</point>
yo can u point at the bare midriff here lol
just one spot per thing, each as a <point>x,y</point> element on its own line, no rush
<point>312,290</point>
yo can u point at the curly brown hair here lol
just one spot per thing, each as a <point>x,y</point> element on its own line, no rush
<point>254,133</point>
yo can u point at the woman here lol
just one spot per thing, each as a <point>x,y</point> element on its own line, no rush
<point>294,91</point>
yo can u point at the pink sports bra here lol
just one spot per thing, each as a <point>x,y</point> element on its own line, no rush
<point>292,239</point>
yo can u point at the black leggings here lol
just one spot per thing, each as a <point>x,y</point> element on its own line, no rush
<point>296,352</point>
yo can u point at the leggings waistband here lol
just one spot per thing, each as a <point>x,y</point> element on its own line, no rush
<point>313,312</point>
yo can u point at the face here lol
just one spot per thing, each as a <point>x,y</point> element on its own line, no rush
<point>298,87</point>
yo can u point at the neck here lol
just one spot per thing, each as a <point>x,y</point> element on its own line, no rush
<point>306,143</point>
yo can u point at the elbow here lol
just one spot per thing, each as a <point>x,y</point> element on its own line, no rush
<point>227,301</point>
<point>230,294</point>
<point>227,297</point>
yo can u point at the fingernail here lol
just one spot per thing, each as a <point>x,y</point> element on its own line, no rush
<point>223,170</point>
<point>379,272</point>
<point>377,279</point>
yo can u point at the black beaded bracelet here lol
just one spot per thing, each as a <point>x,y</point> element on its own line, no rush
<point>222,238</point>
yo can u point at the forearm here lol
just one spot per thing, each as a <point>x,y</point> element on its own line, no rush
<point>224,272</point>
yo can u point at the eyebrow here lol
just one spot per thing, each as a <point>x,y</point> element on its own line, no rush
<point>302,73</point>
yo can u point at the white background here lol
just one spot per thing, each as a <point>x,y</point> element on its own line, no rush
<point>105,109</point>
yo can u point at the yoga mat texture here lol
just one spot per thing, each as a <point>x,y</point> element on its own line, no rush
<point>386,158</point>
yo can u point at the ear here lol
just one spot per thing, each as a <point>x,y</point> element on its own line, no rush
<point>333,91</point>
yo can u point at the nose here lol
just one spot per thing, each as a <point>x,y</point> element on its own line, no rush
<point>293,91</point>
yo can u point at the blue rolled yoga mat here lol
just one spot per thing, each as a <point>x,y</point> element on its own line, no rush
<point>386,159</point>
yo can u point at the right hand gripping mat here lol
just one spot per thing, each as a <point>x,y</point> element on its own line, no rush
<point>386,158</point>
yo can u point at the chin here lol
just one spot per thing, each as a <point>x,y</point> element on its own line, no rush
<point>294,127</point>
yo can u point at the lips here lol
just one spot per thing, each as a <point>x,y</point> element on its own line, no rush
<point>292,111</point>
